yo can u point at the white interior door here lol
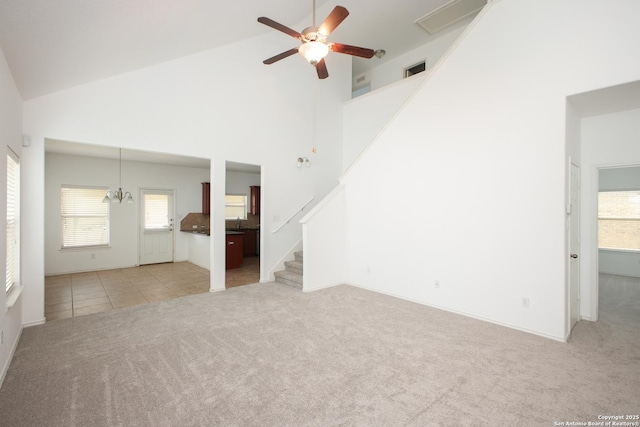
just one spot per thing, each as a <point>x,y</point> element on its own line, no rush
<point>574,247</point>
<point>156,226</point>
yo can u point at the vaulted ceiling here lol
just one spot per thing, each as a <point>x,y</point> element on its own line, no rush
<point>53,45</point>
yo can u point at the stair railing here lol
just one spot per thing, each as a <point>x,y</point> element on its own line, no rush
<point>290,217</point>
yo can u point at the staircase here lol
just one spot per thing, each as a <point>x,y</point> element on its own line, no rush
<point>292,275</point>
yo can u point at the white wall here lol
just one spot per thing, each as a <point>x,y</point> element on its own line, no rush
<point>241,182</point>
<point>484,144</point>
<point>10,136</point>
<point>323,244</point>
<point>393,70</point>
<point>364,117</point>
<point>222,104</point>
<point>63,169</point>
<point>607,140</point>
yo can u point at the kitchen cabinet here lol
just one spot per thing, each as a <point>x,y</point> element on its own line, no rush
<point>234,250</point>
<point>206,198</point>
<point>250,242</point>
<point>254,205</point>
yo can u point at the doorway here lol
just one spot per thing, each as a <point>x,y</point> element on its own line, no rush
<point>618,243</point>
<point>243,210</point>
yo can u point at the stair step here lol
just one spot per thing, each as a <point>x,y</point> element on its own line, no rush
<point>289,278</point>
<point>298,256</point>
<point>295,266</point>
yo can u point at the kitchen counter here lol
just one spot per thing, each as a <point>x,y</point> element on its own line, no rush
<point>203,232</point>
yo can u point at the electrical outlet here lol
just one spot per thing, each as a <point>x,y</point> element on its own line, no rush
<point>525,302</point>
<point>436,284</point>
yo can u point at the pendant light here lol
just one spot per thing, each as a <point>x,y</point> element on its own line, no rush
<point>118,195</point>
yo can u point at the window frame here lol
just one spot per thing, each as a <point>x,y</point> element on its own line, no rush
<point>107,243</point>
<point>620,217</point>
<point>12,257</point>
<point>227,204</point>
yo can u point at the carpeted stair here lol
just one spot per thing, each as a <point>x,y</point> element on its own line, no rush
<point>292,275</point>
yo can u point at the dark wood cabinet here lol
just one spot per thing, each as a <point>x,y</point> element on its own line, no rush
<point>254,206</point>
<point>234,251</point>
<point>206,198</point>
<point>250,242</point>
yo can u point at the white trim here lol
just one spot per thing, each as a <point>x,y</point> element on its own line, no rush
<point>317,288</point>
<point>14,346</point>
<point>322,203</point>
<point>13,296</point>
<point>35,323</point>
<point>462,313</point>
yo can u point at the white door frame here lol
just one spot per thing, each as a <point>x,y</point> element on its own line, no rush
<point>595,269</point>
<point>573,211</point>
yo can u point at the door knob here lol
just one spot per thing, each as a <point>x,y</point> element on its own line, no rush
<point>574,256</point>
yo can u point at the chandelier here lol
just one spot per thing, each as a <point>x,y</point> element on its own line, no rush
<point>118,195</point>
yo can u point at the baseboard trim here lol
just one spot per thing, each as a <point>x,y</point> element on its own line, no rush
<point>317,288</point>
<point>35,323</point>
<point>14,346</point>
<point>461,313</point>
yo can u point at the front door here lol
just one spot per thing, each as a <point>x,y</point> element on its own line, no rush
<point>574,248</point>
<point>156,226</point>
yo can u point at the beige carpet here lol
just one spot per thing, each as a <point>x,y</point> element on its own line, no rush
<point>268,355</point>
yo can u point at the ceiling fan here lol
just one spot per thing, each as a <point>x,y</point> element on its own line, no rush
<point>314,45</point>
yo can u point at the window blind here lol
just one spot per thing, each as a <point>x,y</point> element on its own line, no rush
<point>13,216</point>
<point>156,211</point>
<point>235,206</point>
<point>84,217</point>
<point>619,220</point>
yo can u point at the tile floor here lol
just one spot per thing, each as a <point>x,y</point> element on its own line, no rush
<point>248,273</point>
<point>71,295</point>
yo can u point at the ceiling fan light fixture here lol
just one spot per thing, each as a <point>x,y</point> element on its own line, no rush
<point>313,51</point>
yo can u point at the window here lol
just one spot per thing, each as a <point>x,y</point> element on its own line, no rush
<point>619,220</point>
<point>235,206</point>
<point>84,217</point>
<point>156,211</point>
<point>13,221</point>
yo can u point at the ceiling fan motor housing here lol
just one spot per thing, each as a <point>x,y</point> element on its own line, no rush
<point>311,34</point>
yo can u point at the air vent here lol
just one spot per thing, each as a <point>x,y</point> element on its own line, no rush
<point>449,13</point>
<point>415,69</point>
<point>360,81</point>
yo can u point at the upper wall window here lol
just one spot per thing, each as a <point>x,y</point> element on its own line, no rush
<point>13,221</point>
<point>415,69</point>
<point>84,219</point>
<point>619,220</point>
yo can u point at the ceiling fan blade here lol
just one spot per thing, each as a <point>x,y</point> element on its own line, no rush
<point>337,15</point>
<point>280,56</point>
<point>321,68</point>
<point>351,50</point>
<point>276,25</point>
